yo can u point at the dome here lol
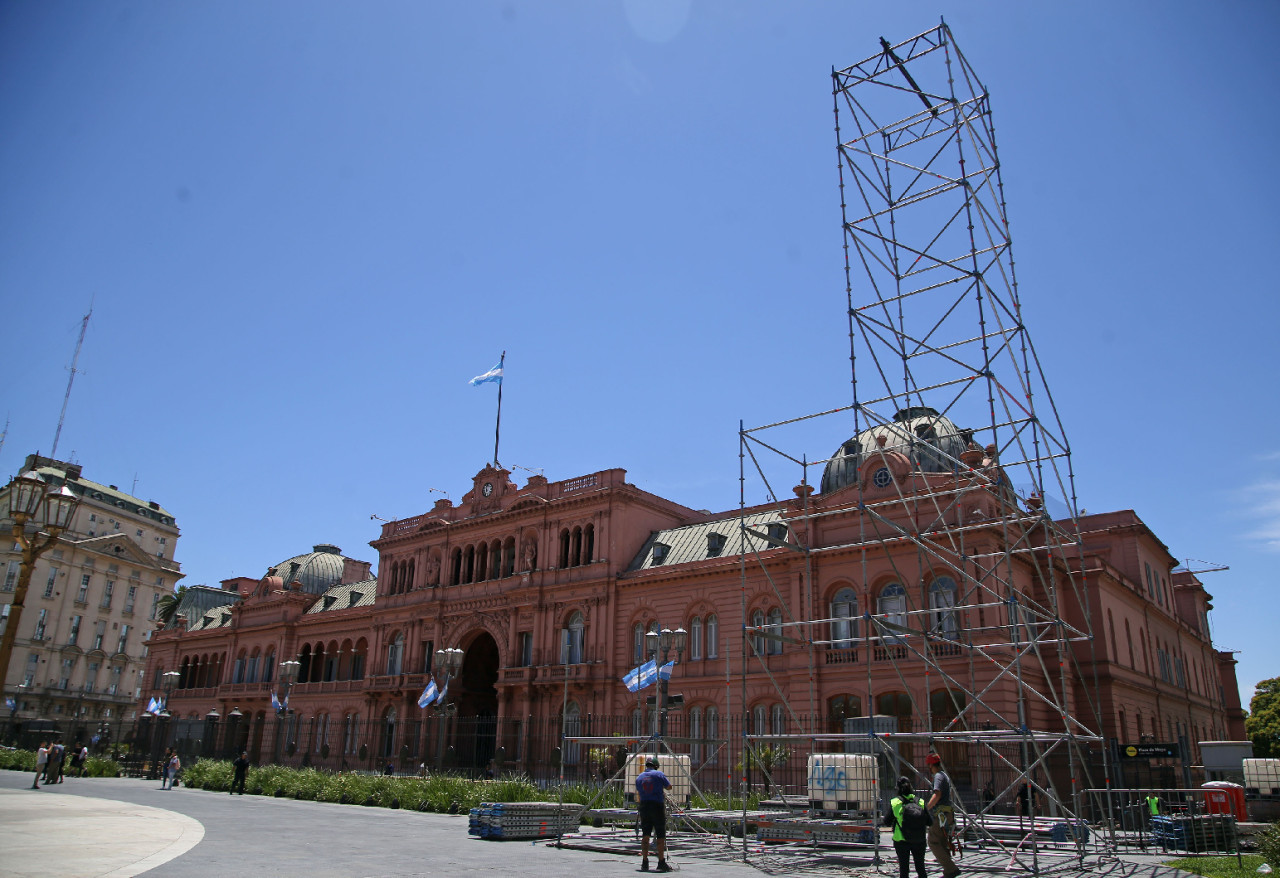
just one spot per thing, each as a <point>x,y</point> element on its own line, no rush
<point>315,572</point>
<point>915,432</point>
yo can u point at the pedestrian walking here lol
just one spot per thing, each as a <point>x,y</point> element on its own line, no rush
<point>944,817</point>
<point>172,764</point>
<point>242,772</point>
<point>651,787</point>
<point>57,756</point>
<point>42,763</point>
<point>910,821</point>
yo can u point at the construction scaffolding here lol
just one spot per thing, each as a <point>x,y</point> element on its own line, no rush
<point>935,571</point>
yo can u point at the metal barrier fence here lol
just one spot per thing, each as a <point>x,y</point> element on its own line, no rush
<point>986,775</point>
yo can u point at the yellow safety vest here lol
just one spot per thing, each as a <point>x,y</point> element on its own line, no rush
<point>896,804</point>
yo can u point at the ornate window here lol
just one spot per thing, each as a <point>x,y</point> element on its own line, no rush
<point>772,646</point>
<point>695,638</point>
<point>844,618</point>
<point>713,636</point>
<point>757,642</point>
<point>571,637</point>
<point>395,655</point>
<point>942,603</point>
<point>892,605</point>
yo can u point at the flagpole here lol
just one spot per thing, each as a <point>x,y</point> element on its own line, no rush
<point>497,429</point>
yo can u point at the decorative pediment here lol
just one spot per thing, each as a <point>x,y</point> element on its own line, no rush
<point>120,549</point>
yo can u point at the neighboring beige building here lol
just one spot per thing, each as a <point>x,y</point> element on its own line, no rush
<point>81,644</point>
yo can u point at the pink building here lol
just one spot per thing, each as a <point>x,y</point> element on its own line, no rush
<point>549,587</point>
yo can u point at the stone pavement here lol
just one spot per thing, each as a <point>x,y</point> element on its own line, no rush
<point>120,827</point>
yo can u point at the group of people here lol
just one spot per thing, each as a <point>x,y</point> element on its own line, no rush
<point>917,823</point>
<point>169,769</point>
<point>52,759</point>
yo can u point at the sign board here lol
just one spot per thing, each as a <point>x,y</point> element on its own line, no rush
<point>1148,751</point>
<point>672,700</point>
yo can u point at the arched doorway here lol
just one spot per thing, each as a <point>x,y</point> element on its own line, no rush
<point>477,699</point>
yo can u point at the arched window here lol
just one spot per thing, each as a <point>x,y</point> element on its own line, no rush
<point>844,618</point>
<point>456,577</point>
<point>942,603</point>
<point>413,566</point>
<point>588,544</point>
<point>774,647</point>
<point>251,667</point>
<point>388,733</point>
<point>395,654</point>
<point>778,720</point>
<point>757,642</point>
<point>495,560</point>
<point>713,732</point>
<point>564,548</point>
<point>237,671</point>
<point>1111,629</point>
<point>892,606</point>
<point>269,666</point>
<point>358,659</point>
<point>759,715</point>
<point>695,732</point>
<point>695,638</point>
<point>469,564</point>
<point>482,562</point>
<point>572,728</point>
<point>713,636</point>
<point>841,708</point>
<point>509,556</point>
<point>575,548</point>
<point>571,637</point>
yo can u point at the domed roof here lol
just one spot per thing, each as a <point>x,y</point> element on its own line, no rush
<point>915,432</point>
<point>314,572</point>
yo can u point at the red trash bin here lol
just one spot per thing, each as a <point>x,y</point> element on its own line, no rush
<point>1224,797</point>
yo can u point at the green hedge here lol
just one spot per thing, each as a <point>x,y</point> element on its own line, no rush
<point>438,793</point>
<point>25,760</point>
<point>18,760</point>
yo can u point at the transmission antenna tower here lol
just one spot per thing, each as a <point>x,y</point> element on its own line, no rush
<point>84,326</point>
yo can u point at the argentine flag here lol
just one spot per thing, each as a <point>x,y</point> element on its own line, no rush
<point>648,673</point>
<point>10,703</point>
<point>429,694</point>
<point>444,693</point>
<point>152,706</point>
<point>493,376</point>
<point>631,679</point>
<point>665,671</point>
<point>275,702</point>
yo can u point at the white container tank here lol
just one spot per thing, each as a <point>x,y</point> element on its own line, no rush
<point>843,782</point>
<point>1262,777</point>
<point>677,768</point>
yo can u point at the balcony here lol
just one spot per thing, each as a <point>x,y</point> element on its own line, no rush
<point>517,675</point>
<point>841,657</point>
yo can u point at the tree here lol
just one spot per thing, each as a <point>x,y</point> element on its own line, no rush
<point>168,606</point>
<point>1262,725</point>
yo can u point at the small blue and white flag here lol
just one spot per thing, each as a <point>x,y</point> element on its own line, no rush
<point>10,703</point>
<point>429,694</point>
<point>631,679</point>
<point>275,702</point>
<point>444,693</point>
<point>648,673</point>
<point>284,705</point>
<point>664,672</point>
<point>153,706</point>
<point>493,376</point>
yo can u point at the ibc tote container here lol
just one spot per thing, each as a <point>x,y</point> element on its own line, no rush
<point>675,766</point>
<point>843,782</point>
<point>1262,777</point>
<point>1222,797</point>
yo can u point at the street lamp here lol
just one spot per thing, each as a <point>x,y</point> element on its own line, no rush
<point>50,510</point>
<point>660,645</point>
<point>288,676</point>
<point>448,662</point>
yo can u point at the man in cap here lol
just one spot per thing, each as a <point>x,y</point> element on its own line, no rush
<point>944,817</point>
<point>651,787</point>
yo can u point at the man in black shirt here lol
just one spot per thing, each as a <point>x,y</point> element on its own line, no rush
<point>944,817</point>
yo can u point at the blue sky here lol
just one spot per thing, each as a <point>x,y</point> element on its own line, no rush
<point>303,226</point>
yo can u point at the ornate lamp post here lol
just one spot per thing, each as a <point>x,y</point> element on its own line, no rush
<point>448,663</point>
<point>51,510</point>
<point>288,676</point>
<point>211,731</point>
<point>660,645</point>
<point>162,739</point>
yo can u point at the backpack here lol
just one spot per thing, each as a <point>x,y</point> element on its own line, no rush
<point>915,819</point>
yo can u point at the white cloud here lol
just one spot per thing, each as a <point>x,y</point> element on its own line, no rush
<point>1262,501</point>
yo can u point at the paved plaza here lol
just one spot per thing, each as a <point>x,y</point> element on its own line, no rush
<point>119,827</point>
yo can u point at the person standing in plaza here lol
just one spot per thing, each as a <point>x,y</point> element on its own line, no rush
<point>651,787</point>
<point>57,756</point>
<point>944,817</point>
<point>242,772</point>
<point>910,821</point>
<point>42,762</point>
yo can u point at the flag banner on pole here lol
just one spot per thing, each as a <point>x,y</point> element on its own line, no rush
<point>493,376</point>
<point>429,694</point>
<point>152,706</point>
<point>275,702</point>
<point>284,705</point>
<point>665,671</point>
<point>10,703</point>
<point>648,673</point>
<point>444,693</point>
<point>631,679</point>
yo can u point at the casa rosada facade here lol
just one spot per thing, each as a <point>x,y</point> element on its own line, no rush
<point>548,588</point>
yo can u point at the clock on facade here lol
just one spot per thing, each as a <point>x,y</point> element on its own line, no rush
<point>487,488</point>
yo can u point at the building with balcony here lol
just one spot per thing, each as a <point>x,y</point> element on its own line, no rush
<point>549,589</point>
<point>80,651</point>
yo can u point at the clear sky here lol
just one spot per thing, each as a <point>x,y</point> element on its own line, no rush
<point>303,226</point>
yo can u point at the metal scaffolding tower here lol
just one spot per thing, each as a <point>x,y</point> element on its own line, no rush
<point>954,499</point>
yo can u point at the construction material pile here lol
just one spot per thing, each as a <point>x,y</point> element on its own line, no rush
<point>1059,830</point>
<point>816,831</point>
<point>1203,832</point>
<point>523,820</point>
